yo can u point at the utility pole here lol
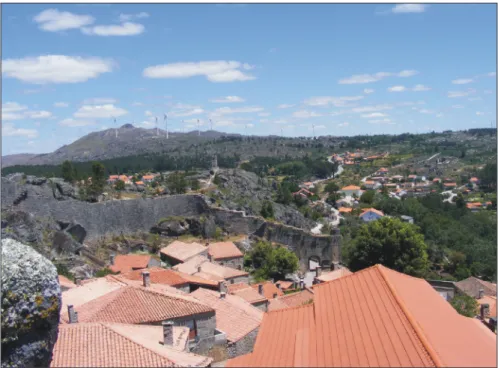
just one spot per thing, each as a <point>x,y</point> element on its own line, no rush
<point>166,124</point>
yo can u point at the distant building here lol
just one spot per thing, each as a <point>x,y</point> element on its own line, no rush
<point>369,184</point>
<point>226,254</point>
<point>128,262</point>
<point>408,219</point>
<point>371,214</point>
<point>179,252</point>
<point>382,171</point>
<point>350,190</point>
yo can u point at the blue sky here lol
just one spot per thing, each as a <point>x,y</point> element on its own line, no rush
<point>259,68</point>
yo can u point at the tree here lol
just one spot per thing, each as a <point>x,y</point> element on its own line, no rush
<point>465,305</point>
<point>367,197</point>
<point>267,210</point>
<point>284,195</point>
<point>120,185</point>
<point>271,262</point>
<point>96,186</point>
<point>392,243</point>
<point>68,173</point>
<point>176,183</point>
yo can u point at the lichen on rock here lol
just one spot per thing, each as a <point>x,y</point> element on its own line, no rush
<point>31,300</point>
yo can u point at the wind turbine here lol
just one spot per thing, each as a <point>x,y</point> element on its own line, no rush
<point>211,124</point>
<point>198,128</point>
<point>166,123</point>
<point>313,125</point>
<point>116,129</point>
<point>157,130</point>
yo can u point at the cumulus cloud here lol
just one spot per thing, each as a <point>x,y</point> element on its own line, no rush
<point>125,29</point>
<point>55,69</point>
<point>368,91</point>
<point>475,99</point>
<point>305,114</point>
<point>146,124</point>
<point>425,111</point>
<point>329,100</point>
<point>345,124</point>
<point>148,113</point>
<point>462,81</point>
<point>215,71</point>
<point>380,121</point>
<point>70,122</point>
<point>284,106</point>
<point>264,114</point>
<point>15,111</point>
<point>409,8</point>
<point>228,99</point>
<point>38,114</point>
<point>420,88</point>
<point>373,115</point>
<point>479,113</point>
<point>455,94</point>
<point>372,108</point>
<point>99,112</point>
<point>53,20</point>
<point>99,101</point>
<point>243,110</point>
<point>370,78</point>
<point>457,106</point>
<point>397,89</point>
<point>10,130</point>
<point>137,104</point>
<point>128,17</point>
<point>61,104</point>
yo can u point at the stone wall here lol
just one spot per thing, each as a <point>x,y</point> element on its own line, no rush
<point>244,345</point>
<point>236,280</point>
<point>262,305</point>
<point>235,262</point>
<point>206,325</point>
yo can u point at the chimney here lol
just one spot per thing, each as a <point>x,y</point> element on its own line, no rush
<point>199,269</point>
<point>278,285</point>
<point>146,278</point>
<point>260,289</point>
<point>484,311</point>
<point>275,295</point>
<point>318,271</point>
<point>168,333</point>
<point>223,295</point>
<point>481,293</point>
<point>73,315</point>
<point>223,286</point>
<point>209,257</point>
<point>111,258</point>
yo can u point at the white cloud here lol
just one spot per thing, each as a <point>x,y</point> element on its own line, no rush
<point>343,124</point>
<point>38,114</point>
<point>9,107</point>
<point>214,71</point>
<point>475,99</point>
<point>99,112</point>
<point>181,110</point>
<point>492,74</point>
<point>373,115</point>
<point>371,108</point>
<point>368,91</point>
<point>264,114</point>
<point>243,110</point>
<point>280,121</point>
<point>70,122</point>
<point>52,20</point>
<point>409,8</point>
<point>420,88</point>
<point>305,114</point>
<point>9,130</point>
<point>99,101</point>
<point>479,113</point>
<point>15,111</point>
<point>55,69</point>
<point>61,104</point>
<point>329,100</point>
<point>411,103</point>
<point>454,94</point>
<point>462,81</point>
<point>439,115</point>
<point>284,106</point>
<point>263,120</point>
<point>146,124</point>
<point>397,89</point>
<point>319,127</point>
<point>488,92</point>
<point>148,113</point>
<point>250,125</point>
<point>228,99</point>
<point>425,111</point>
<point>128,17</point>
<point>380,121</point>
<point>137,104</point>
<point>370,78</point>
<point>125,29</point>
<point>458,106</point>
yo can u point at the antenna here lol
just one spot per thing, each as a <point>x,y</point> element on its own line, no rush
<point>166,123</point>
<point>282,132</point>
<point>211,124</point>
<point>116,130</point>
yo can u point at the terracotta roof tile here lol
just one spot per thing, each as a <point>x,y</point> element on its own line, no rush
<point>120,345</point>
<point>238,286</point>
<point>183,251</point>
<point>170,277</point>
<point>269,289</point>
<point>472,285</point>
<point>291,300</point>
<point>284,285</point>
<point>334,275</point>
<point>374,317</point>
<point>234,316</point>
<point>365,210</point>
<point>139,182</point>
<point>137,305</point>
<point>246,292</point>
<point>351,187</point>
<point>345,210</point>
<point>223,250</point>
<point>209,270</point>
<point>127,262</point>
<point>65,282</point>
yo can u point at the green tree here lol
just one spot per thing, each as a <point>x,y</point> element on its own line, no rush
<point>392,243</point>
<point>465,305</point>
<point>367,197</point>
<point>120,185</point>
<point>68,173</point>
<point>96,186</point>
<point>176,183</point>
<point>267,210</point>
<point>284,195</point>
<point>268,262</point>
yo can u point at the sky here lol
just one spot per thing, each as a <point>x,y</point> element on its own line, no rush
<point>286,69</point>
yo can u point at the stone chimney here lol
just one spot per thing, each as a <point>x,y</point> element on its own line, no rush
<point>168,333</point>
<point>260,289</point>
<point>111,259</point>
<point>199,269</point>
<point>223,295</point>
<point>73,315</point>
<point>484,311</point>
<point>278,285</point>
<point>275,295</point>
<point>481,293</point>
<point>146,278</point>
<point>318,271</point>
<point>223,286</point>
<point>301,283</point>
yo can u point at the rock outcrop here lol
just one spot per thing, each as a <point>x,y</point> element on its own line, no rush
<point>31,300</point>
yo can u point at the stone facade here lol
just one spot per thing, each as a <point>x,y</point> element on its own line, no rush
<point>261,305</point>
<point>236,280</point>
<point>234,262</point>
<point>205,325</point>
<point>243,346</point>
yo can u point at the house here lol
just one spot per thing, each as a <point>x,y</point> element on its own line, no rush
<point>226,254</point>
<point>472,286</point>
<point>408,219</point>
<point>128,262</point>
<point>201,266</point>
<point>474,180</point>
<point>412,177</point>
<point>65,283</point>
<point>369,184</point>
<point>112,179</point>
<point>382,171</point>
<point>236,318</point>
<point>268,289</point>
<point>250,295</point>
<point>296,299</point>
<point>141,183</point>
<point>474,206</point>
<point>436,180</point>
<point>284,285</point>
<point>397,178</point>
<point>450,185</point>
<point>179,280</point>
<point>307,185</point>
<point>102,344</point>
<point>148,178</point>
<point>179,252</point>
<point>305,193</point>
<point>487,307</point>
<point>391,186</point>
<point>350,190</point>
<point>345,210</point>
<point>399,321</point>
<point>371,214</point>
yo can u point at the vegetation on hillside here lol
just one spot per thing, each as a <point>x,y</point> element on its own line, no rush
<point>268,262</point>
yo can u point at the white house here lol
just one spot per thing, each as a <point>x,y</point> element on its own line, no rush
<point>350,190</point>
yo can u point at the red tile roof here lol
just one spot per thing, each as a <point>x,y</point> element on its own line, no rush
<point>491,302</point>
<point>234,316</point>
<point>345,210</point>
<point>365,210</point>
<point>472,285</point>
<point>474,179</point>
<point>139,182</point>
<point>284,285</point>
<point>269,289</point>
<point>137,305</point>
<point>209,270</point>
<point>169,277</point>
<point>376,317</point>
<point>291,300</point>
<point>246,292</point>
<point>223,250</point>
<point>183,251</point>
<point>128,262</point>
<point>120,345</point>
<point>334,275</point>
<point>65,282</point>
<point>351,187</point>
<point>383,169</point>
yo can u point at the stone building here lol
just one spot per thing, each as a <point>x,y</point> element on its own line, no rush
<point>226,254</point>
<point>180,252</point>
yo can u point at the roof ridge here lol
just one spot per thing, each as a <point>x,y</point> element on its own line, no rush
<point>166,294</point>
<point>418,330</point>
<point>291,308</point>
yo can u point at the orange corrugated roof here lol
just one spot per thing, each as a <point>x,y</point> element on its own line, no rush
<point>183,251</point>
<point>65,282</point>
<point>128,262</point>
<point>121,345</point>
<point>291,300</point>
<point>345,209</point>
<point>351,187</point>
<point>139,183</point>
<point>168,277</point>
<point>376,317</point>
<point>269,289</point>
<point>148,177</point>
<point>223,250</point>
